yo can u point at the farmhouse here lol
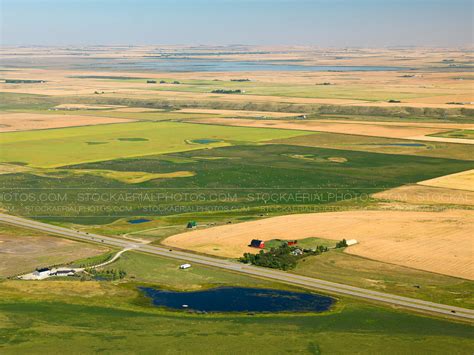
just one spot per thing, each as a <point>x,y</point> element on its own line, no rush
<point>256,243</point>
<point>297,252</point>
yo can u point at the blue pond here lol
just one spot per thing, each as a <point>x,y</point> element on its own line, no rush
<point>239,299</point>
<point>205,141</point>
<point>139,220</point>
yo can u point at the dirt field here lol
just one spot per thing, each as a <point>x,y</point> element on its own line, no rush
<point>10,122</point>
<point>438,242</point>
<point>373,129</point>
<point>418,194</point>
<point>459,181</point>
<point>23,253</point>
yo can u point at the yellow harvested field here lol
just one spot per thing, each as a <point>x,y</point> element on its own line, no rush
<point>419,194</point>
<point>459,181</point>
<point>85,107</point>
<point>438,242</point>
<point>373,129</point>
<point>11,122</point>
<point>239,113</point>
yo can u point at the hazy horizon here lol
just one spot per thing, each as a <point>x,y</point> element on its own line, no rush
<point>324,23</point>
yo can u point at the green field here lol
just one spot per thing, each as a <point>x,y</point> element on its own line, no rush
<point>58,147</point>
<point>152,115</point>
<point>460,133</point>
<point>148,269</point>
<point>383,145</point>
<point>244,174</point>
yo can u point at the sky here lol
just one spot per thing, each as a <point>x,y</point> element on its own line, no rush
<point>325,23</point>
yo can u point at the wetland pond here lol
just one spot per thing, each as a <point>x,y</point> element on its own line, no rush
<point>239,299</point>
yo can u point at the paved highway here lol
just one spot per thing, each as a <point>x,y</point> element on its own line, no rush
<point>297,280</point>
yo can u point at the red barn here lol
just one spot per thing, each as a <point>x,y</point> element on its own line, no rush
<point>292,242</point>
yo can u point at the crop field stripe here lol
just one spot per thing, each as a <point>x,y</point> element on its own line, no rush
<point>40,149</point>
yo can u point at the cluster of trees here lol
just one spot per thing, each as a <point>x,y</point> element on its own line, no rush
<point>284,257</point>
<point>341,244</point>
<point>108,274</point>
<point>224,91</point>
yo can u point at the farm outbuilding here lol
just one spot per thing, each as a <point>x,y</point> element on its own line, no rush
<point>256,243</point>
<point>191,224</point>
<point>42,273</point>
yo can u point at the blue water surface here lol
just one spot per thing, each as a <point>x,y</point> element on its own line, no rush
<point>239,299</point>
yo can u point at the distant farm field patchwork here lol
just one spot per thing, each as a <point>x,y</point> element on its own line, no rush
<point>54,148</point>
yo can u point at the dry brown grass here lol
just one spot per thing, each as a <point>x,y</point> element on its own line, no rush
<point>418,194</point>
<point>438,242</point>
<point>459,181</point>
<point>374,129</point>
<point>10,122</point>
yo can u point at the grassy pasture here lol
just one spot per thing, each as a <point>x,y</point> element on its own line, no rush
<point>148,269</point>
<point>244,175</point>
<point>382,145</point>
<point>102,317</point>
<point>338,266</point>
<point>59,147</point>
<point>461,133</point>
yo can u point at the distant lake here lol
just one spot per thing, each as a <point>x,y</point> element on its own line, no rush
<point>181,64</point>
<point>204,65</point>
<point>239,299</point>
